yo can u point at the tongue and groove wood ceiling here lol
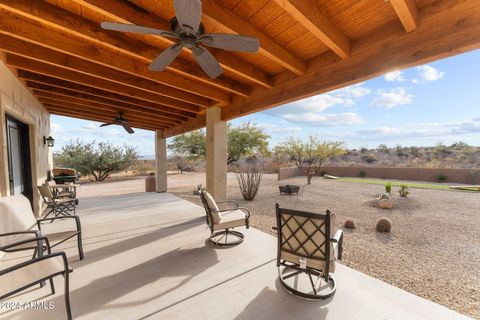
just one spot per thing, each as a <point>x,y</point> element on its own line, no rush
<point>75,68</point>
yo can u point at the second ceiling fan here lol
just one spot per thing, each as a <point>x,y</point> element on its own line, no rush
<point>187,29</point>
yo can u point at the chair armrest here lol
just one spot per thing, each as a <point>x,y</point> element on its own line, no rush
<point>338,239</point>
<point>235,203</point>
<point>38,240</point>
<point>36,232</point>
<point>77,221</point>
<point>247,212</point>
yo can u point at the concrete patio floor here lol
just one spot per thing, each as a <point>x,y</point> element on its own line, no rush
<point>146,257</point>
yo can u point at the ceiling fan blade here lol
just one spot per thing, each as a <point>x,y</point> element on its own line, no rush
<point>188,13</point>
<point>106,124</point>
<point>128,128</point>
<point>207,62</point>
<point>231,42</point>
<point>124,27</point>
<point>166,57</point>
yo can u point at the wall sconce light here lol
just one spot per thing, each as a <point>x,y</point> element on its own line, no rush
<point>49,142</point>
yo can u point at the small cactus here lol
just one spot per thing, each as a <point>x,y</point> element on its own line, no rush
<point>349,224</point>
<point>384,225</point>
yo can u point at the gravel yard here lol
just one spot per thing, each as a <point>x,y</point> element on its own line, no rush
<point>433,250</point>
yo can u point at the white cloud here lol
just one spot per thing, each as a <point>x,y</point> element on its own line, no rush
<point>271,129</point>
<point>392,98</point>
<point>56,129</point>
<point>354,91</point>
<point>422,130</point>
<point>414,81</point>
<point>324,120</point>
<point>394,76</point>
<point>429,73</point>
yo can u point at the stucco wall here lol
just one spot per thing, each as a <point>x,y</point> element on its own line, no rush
<point>17,101</point>
<point>412,174</point>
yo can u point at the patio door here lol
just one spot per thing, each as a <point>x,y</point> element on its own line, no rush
<point>19,170</point>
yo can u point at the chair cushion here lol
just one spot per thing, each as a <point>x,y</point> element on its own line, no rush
<point>213,208</point>
<point>231,219</point>
<point>15,215</point>
<point>28,274</point>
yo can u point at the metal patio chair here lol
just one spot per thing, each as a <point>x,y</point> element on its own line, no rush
<point>307,252</point>
<point>57,205</point>
<point>21,276</point>
<point>221,222</point>
<point>20,224</point>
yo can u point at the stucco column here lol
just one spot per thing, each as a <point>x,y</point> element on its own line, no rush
<point>160,161</point>
<point>216,148</point>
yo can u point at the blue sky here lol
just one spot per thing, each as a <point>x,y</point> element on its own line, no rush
<point>421,106</point>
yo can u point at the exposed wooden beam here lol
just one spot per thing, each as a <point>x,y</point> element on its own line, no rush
<point>92,32</point>
<point>96,107</point>
<point>190,125</point>
<point>79,114</point>
<point>234,24</point>
<point>69,75</point>
<point>33,51</point>
<point>448,28</point>
<point>106,96</point>
<point>126,12</point>
<point>308,14</point>
<point>407,12</point>
<point>40,89</point>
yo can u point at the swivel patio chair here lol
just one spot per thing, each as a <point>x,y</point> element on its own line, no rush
<point>57,205</point>
<point>221,222</point>
<point>21,276</point>
<point>21,224</point>
<point>307,252</point>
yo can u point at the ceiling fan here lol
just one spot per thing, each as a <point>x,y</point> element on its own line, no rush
<point>187,29</point>
<point>121,121</point>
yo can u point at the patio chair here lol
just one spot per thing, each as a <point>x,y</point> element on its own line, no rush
<point>307,252</point>
<point>57,205</point>
<point>21,276</point>
<point>66,190</point>
<point>17,222</point>
<point>221,222</point>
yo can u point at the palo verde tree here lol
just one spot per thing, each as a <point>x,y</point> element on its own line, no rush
<point>246,139</point>
<point>97,159</point>
<point>309,156</point>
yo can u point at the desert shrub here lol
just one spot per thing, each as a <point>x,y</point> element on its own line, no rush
<point>441,178</point>
<point>384,225</point>
<point>401,151</point>
<point>403,191</point>
<point>388,188</point>
<point>415,151</point>
<point>349,224</point>
<point>363,150</point>
<point>369,158</point>
<point>249,177</point>
<point>382,148</point>
<point>362,174</point>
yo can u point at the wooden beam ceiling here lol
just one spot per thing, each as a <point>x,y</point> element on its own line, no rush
<point>69,75</point>
<point>308,14</point>
<point>126,12</point>
<point>407,12</point>
<point>234,24</point>
<point>114,98</point>
<point>90,31</point>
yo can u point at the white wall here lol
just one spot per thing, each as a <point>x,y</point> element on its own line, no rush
<point>17,101</point>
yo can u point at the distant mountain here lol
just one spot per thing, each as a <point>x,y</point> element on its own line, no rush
<point>147,157</point>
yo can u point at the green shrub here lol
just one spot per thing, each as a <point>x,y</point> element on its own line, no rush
<point>362,174</point>
<point>388,187</point>
<point>403,191</point>
<point>369,158</point>
<point>441,178</point>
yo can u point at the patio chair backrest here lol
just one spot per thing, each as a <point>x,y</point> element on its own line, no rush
<point>206,199</point>
<point>46,193</point>
<point>15,215</point>
<point>306,235</point>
